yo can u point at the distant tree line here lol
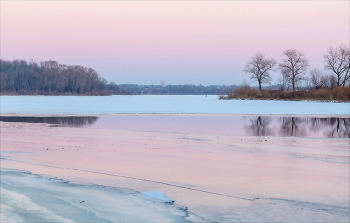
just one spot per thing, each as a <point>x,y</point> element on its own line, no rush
<point>293,69</point>
<point>50,77</point>
<point>186,89</point>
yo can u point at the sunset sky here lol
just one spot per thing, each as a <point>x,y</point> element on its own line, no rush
<point>178,42</point>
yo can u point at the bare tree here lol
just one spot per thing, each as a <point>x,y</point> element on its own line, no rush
<point>338,61</point>
<point>245,83</point>
<point>293,67</point>
<point>260,67</point>
<point>318,79</point>
<point>332,81</point>
<point>283,83</point>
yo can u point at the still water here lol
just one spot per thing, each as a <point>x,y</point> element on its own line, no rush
<point>332,127</point>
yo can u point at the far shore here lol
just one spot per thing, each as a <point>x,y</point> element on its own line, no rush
<point>220,97</point>
<point>337,94</point>
<point>174,114</point>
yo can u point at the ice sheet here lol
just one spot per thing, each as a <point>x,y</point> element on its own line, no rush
<point>34,198</point>
<point>219,177</point>
<point>178,104</point>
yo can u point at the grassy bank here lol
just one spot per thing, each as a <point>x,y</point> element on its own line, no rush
<point>326,94</point>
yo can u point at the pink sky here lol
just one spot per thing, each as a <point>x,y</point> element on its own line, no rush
<point>145,42</point>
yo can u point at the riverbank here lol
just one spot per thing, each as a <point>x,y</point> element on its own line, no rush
<point>339,94</point>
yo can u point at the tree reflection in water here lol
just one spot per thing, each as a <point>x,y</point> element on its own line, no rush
<point>334,127</point>
<point>259,126</point>
<point>67,121</point>
<point>298,126</point>
<point>255,125</point>
<point>293,126</point>
<point>340,128</point>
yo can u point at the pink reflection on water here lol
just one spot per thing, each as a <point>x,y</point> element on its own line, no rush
<point>230,125</point>
<point>122,152</point>
<point>314,127</point>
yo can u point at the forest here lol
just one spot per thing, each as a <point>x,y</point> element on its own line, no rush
<point>19,77</point>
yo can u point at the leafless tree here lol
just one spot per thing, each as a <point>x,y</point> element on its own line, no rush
<point>293,66</point>
<point>337,60</point>
<point>318,79</point>
<point>245,83</point>
<point>332,81</point>
<point>260,67</point>
<point>283,83</point>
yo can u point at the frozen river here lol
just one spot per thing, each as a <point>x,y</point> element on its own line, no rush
<point>97,159</point>
<point>173,104</point>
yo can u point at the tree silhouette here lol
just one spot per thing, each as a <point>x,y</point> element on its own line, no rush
<point>260,67</point>
<point>338,62</point>
<point>293,66</point>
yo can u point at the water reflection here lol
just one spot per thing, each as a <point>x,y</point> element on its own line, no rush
<point>298,126</point>
<point>259,126</point>
<point>226,125</point>
<point>70,121</point>
<point>292,126</point>
<point>340,128</point>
